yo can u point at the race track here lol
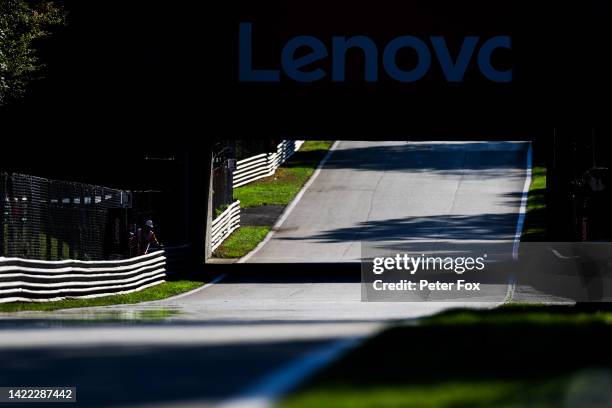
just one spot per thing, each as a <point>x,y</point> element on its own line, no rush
<point>251,336</point>
<point>402,191</point>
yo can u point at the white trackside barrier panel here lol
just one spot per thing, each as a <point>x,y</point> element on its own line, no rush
<point>265,164</point>
<point>32,280</point>
<point>226,223</point>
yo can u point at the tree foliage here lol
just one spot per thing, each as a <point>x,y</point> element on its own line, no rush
<point>22,23</point>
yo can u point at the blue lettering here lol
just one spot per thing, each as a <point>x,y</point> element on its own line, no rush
<point>390,63</point>
<point>245,59</point>
<point>341,45</point>
<point>484,59</point>
<point>454,72</point>
<point>295,63</point>
<point>292,65</point>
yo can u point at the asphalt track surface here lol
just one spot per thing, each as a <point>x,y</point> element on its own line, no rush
<point>405,191</point>
<point>247,338</point>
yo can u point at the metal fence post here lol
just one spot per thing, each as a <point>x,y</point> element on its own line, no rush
<point>209,209</point>
<point>2,204</point>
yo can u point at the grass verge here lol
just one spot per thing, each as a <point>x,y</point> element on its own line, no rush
<point>514,356</point>
<point>535,220</point>
<point>279,189</point>
<point>241,242</point>
<point>161,291</point>
<point>282,187</point>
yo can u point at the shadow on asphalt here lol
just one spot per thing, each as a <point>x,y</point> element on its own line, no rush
<point>545,356</point>
<point>285,273</point>
<point>67,320</point>
<point>528,341</point>
<point>482,227</point>
<point>430,158</point>
<point>142,375</point>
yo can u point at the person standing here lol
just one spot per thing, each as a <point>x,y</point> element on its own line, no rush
<point>146,238</point>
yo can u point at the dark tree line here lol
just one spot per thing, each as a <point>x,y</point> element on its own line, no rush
<point>23,23</point>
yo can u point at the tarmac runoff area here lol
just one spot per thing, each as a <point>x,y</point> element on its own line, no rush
<point>246,339</point>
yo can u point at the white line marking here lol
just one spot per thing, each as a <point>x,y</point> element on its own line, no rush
<point>520,223</point>
<point>510,290</point>
<point>291,205</point>
<point>192,292</point>
<point>274,386</point>
<point>561,256</point>
<point>523,208</point>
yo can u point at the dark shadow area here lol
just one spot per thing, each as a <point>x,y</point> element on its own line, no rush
<point>462,227</point>
<point>261,215</point>
<point>305,158</point>
<point>536,212</point>
<point>141,375</point>
<point>138,73</point>
<point>538,195</point>
<point>285,273</point>
<point>113,319</point>
<point>528,345</point>
<point>200,273</point>
<point>537,217</point>
<point>426,158</point>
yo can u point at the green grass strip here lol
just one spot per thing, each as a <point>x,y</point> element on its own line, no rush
<point>279,189</point>
<point>282,187</point>
<point>446,394</point>
<point>241,242</point>
<point>535,220</point>
<point>161,291</point>
<point>511,356</point>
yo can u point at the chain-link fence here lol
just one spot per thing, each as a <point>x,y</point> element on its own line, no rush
<point>224,163</point>
<point>51,220</point>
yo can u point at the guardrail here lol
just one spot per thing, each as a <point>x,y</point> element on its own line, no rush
<point>31,280</point>
<point>226,223</point>
<point>265,164</point>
